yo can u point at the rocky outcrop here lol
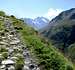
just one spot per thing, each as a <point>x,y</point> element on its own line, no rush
<point>12,49</point>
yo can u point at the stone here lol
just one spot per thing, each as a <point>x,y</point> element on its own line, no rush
<point>3,37</point>
<point>8,62</point>
<point>10,50</point>
<point>14,58</point>
<point>2,67</point>
<point>26,54</point>
<point>3,43</point>
<point>14,42</point>
<point>33,66</point>
<point>27,61</point>
<point>11,68</point>
<point>26,67</point>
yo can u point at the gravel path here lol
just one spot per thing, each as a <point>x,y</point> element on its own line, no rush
<point>11,41</point>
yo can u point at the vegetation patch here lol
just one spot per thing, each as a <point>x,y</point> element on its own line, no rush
<point>48,57</point>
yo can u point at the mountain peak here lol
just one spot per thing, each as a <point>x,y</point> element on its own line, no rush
<point>72,9</point>
<point>37,23</point>
<point>64,15</point>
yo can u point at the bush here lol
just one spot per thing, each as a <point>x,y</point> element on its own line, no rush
<point>19,63</point>
<point>12,16</point>
<point>2,13</point>
<point>1,25</point>
<point>5,55</point>
<point>3,49</point>
<point>71,52</point>
<point>47,55</point>
<point>69,67</point>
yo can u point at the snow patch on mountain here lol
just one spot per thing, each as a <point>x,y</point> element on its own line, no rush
<point>37,23</point>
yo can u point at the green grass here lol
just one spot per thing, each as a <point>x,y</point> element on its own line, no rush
<point>48,56</point>
<point>1,25</point>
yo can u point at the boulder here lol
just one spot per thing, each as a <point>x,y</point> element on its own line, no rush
<point>25,67</point>
<point>3,43</point>
<point>8,62</point>
<point>2,67</point>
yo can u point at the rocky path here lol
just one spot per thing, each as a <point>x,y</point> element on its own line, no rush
<point>11,43</point>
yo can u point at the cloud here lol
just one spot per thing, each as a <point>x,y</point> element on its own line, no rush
<point>52,13</point>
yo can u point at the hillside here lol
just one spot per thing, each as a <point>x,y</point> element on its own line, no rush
<point>61,32</point>
<point>28,45</point>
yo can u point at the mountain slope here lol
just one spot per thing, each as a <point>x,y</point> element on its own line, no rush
<point>37,23</point>
<point>12,51</point>
<point>61,30</point>
<point>46,56</point>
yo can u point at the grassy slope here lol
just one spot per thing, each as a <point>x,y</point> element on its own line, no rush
<point>63,37</point>
<point>48,56</point>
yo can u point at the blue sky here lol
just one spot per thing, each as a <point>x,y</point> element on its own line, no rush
<point>35,8</point>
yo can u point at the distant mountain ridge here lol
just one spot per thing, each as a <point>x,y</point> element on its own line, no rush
<point>65,15</point>
<point>37,23</point>
<point>61,32</point>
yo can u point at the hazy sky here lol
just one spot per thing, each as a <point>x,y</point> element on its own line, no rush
<point>35,8</point>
